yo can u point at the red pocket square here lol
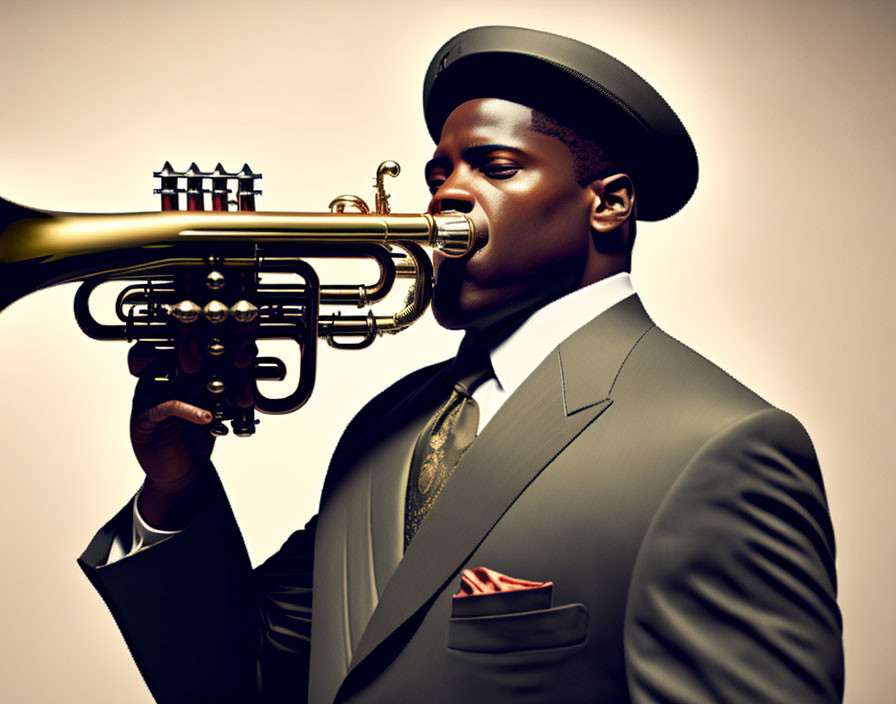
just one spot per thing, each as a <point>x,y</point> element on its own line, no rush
<point>482,580</point>
<point>484,592</point>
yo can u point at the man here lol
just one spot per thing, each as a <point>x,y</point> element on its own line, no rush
<point>630,523</point>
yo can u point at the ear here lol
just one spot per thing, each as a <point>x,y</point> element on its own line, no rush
<point>613,202</point>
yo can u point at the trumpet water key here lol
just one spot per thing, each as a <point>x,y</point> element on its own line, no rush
<point>212,271</point>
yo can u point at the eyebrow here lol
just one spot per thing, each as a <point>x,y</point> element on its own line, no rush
<point>470,154</point>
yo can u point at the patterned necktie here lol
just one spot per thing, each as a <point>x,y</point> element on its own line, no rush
<point>442,443</point>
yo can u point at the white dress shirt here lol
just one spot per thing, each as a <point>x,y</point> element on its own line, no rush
<point>513,360</point>
<point>517,357</point>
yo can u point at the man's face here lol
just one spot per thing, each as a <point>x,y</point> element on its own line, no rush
<point>531,216</point>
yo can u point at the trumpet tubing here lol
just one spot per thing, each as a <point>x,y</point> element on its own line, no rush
<point>62,235</point>
<point>207,270</point>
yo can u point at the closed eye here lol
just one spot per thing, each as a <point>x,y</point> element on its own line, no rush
<point>500,171</point>
<point>494,161</point>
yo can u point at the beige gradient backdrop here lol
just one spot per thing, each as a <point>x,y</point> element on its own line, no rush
<point>779,269</point>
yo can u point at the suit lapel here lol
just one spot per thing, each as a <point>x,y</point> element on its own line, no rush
<point>360,525</point>
<point>568,391</point>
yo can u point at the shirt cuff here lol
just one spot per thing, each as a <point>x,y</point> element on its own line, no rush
<point>143,534</point>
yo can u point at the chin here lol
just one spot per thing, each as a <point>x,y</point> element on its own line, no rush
<point>451,317</point>
<point>473,312</point>
<point>461,303</point>
<point>454,316</point>
<point>458,304</point>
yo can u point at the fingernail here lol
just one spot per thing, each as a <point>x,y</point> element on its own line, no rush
<point>205,415</point>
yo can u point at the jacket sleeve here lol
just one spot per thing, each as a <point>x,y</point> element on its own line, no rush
<point>733,597</point>
<point>200,624</point>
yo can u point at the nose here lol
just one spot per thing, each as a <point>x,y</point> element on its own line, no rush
<point>452,195</point>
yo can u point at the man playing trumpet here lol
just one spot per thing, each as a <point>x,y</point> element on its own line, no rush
<point>576,507</point>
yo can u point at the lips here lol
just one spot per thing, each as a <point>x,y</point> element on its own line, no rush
<point>466,265</point>
<point>481,237</point>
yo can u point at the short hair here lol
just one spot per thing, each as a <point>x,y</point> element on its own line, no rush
<point>591,160</point>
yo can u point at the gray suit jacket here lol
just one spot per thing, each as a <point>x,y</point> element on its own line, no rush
<point>681,519</point>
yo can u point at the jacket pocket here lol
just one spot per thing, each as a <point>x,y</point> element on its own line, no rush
<point>526,630</point>
<point>506,602</point>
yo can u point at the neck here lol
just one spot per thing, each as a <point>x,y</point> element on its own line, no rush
<point>603,267</point>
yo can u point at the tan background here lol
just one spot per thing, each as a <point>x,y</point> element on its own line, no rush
<point>778,270</point>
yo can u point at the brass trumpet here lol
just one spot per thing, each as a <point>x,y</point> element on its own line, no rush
<point>209,268</point>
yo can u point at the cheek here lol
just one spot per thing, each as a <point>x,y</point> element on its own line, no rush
<point>557,229</point>
<point>566,207</point>
<point>538,200</point>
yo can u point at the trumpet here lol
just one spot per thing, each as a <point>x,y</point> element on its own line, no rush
<point>217,271</point>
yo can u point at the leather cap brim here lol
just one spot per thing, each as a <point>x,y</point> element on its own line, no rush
<point>579,85</point>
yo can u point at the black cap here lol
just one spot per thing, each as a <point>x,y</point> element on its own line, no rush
<point>580,86</point>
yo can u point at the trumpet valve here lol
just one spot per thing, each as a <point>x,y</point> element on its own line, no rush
<point>246,188</point>
<point>186,311</point>
<point>195,191</point>
<point>218,429</point>
<point>220,191</point>
<point>244,423</point>
<point>169,190</point>
<point>215,386</point>
<point>244,311</point>
<point>215,311</point>
<point>215,280</point>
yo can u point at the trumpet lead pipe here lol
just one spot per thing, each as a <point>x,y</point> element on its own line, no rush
<point>59,235</point>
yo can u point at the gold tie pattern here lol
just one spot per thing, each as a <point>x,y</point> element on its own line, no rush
<point>440,446</point>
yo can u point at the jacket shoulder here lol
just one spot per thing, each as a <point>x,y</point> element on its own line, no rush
<point>672,375</point>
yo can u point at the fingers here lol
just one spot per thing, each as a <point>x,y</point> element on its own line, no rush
<point>190,349</point>
<point>245,348</point>
<point>188,368</point>
<point>144,359</point>
<point>178,409</point>
<point>151,392</point>
<point>159,425</point>
<point>243,376</point>
<point>243,383</point>
<point>145,421</point>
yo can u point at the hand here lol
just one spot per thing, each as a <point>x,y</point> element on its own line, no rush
<point>170,436</point>
<point>169,451</point>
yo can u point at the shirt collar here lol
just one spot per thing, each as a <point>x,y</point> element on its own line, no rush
<point>517,356</point>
